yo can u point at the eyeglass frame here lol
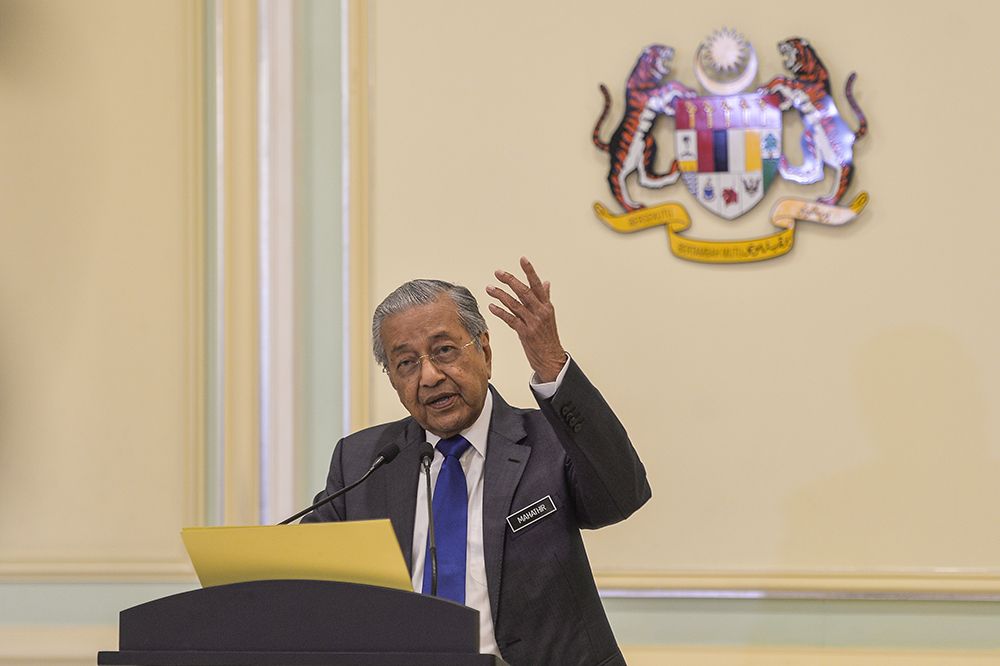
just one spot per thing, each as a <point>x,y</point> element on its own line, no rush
<point>430,357</point>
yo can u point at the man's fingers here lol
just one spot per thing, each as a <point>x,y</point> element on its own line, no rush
<point>523,291</point>
<point>508,318</point>
<point>533,279</point>
<point>512,303</point>
<point>511,281</point>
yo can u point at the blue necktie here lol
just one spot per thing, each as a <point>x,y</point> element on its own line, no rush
<point>451,523</point>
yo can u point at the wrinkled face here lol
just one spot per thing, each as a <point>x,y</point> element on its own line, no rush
<point>444,399</point>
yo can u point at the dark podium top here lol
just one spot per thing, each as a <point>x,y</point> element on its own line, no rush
<point>292,622</point>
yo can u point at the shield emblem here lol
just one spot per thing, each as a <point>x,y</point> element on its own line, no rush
<point>728,149</point>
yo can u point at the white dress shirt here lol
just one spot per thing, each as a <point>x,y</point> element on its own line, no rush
<point>473,461</point>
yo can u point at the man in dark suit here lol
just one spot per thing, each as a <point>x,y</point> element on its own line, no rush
<point>528,480</point>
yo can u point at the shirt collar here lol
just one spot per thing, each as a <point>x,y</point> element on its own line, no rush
<point>476,434</point>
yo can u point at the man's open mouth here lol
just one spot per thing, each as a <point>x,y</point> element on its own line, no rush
<point>442,401</point>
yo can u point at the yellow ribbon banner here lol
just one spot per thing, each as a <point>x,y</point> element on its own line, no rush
<point>784,215</point>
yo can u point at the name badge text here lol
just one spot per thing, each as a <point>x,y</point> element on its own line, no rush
<point>531,513</point>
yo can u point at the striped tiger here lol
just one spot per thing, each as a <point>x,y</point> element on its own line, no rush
<point>632,147</point>
<point>826,137</point>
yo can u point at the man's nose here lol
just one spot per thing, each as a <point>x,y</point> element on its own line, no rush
<point>430,375</point>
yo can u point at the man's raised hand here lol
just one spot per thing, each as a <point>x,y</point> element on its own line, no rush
<point>530,313</point>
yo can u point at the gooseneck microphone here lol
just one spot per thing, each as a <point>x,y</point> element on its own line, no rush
<point>385,456</point>
<point>426,456</point>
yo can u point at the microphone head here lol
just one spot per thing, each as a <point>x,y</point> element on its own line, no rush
<point>426,453</point>
<point>388,453</point>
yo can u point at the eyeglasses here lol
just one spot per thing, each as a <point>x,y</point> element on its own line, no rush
<point>441,356</point>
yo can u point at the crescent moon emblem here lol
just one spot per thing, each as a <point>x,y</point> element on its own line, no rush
<point>733,87</point>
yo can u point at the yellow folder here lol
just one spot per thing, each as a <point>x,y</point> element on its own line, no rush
<point>363,551</point>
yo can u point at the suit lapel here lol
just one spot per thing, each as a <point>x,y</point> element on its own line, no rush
<point>505,462</point>
<point>401,486</point>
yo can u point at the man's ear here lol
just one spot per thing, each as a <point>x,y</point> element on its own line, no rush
<point>484,342</point>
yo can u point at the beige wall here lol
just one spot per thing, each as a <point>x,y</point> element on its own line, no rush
<point>101,297</point>
<point>100,287</point>
<point>821,420</point>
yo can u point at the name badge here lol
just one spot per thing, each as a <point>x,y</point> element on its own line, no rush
<point>531,513</point>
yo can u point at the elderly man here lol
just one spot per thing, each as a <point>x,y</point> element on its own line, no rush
<point>512,487</point>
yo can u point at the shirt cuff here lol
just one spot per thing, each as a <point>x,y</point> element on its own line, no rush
<point>546,390</point>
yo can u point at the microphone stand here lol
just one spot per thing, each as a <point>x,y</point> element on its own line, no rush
<point>425,461</point>
<point>385,456</point>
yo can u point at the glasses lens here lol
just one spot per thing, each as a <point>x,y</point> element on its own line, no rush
<point>407,366</point>
<point>446,355</point>
<point>442,356</point>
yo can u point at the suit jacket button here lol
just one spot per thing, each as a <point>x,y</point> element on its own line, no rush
<point>577,427</point>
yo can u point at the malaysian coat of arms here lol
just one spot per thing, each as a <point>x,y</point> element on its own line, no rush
<point>728,145</point>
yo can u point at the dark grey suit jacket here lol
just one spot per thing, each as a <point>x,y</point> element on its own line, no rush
<point>545,604</point>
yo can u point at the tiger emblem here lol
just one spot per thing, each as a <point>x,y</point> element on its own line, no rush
<point>827,140</point>
<point>632,149</point>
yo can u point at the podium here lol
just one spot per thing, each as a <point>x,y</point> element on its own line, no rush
<point>293,622</point>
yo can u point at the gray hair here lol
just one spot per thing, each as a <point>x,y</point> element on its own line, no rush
<point>424,292</point>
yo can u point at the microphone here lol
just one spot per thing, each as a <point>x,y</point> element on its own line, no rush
<point>426,456</point>
<point>384,457</point>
